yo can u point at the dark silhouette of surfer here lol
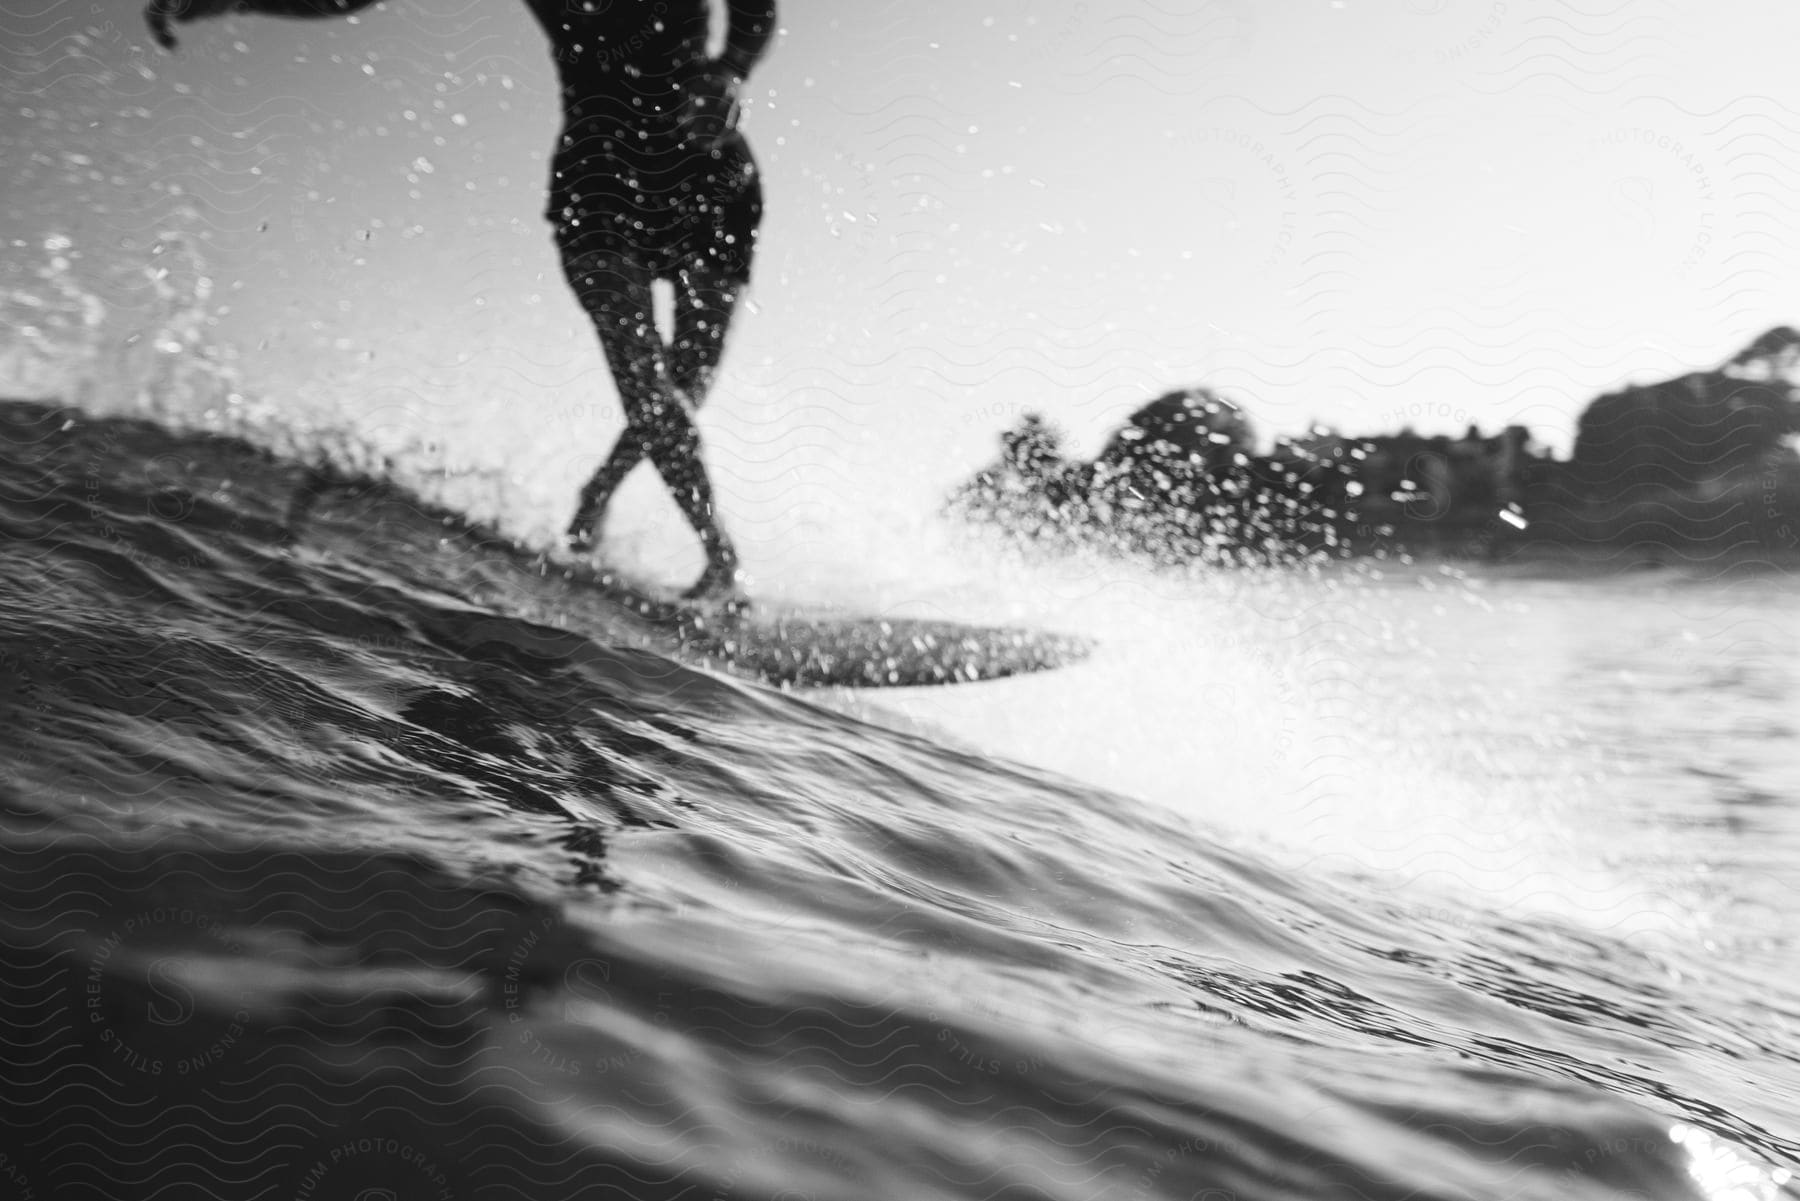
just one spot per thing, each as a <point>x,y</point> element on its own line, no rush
<point>651,180</point>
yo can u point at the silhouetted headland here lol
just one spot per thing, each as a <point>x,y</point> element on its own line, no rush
<point>1701,467</point>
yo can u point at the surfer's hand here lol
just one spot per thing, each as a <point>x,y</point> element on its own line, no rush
<point>158,13</point>
<point>709,108</point>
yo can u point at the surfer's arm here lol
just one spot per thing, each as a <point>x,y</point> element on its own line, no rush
<point>710,109</point>
<point>750,29</point>
<point>160,12</point>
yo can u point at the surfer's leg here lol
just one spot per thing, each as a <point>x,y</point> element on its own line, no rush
<point>706,295</point>
<point>663,432</point>
<point>704,302</point>
<point>614,288</point>
<point>590,507</point>
<point>715,272</point>
<point>673,445</point>
<point>703,306</point>
<point>615,291</point>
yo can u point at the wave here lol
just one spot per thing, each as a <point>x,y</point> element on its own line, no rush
<point>344,867</point>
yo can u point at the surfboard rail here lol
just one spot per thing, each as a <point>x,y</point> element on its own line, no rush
<point>795,646</point>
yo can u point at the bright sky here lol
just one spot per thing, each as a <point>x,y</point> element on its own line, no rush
<point>1365,212</point>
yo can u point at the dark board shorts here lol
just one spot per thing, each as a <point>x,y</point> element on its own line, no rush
<point>670,207</point>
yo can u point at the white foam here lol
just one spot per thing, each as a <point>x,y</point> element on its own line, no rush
<point>1293,709</point>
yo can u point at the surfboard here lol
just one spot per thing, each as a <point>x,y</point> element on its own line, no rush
<point>784,645</point>
<point>795,646</point>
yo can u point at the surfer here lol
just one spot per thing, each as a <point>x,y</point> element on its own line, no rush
<point>651,181</point>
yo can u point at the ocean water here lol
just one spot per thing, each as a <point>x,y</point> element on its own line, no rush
<point>369,867</point>
<point>352,869</point>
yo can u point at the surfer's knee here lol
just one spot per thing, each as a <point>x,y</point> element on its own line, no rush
<point>606,292</point>
<point>603,273</point>
<point>703,316</point>
<point>693,361</point>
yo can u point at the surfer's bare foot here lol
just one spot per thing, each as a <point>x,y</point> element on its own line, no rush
<point>721,581</point>
<point>579,538</point>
